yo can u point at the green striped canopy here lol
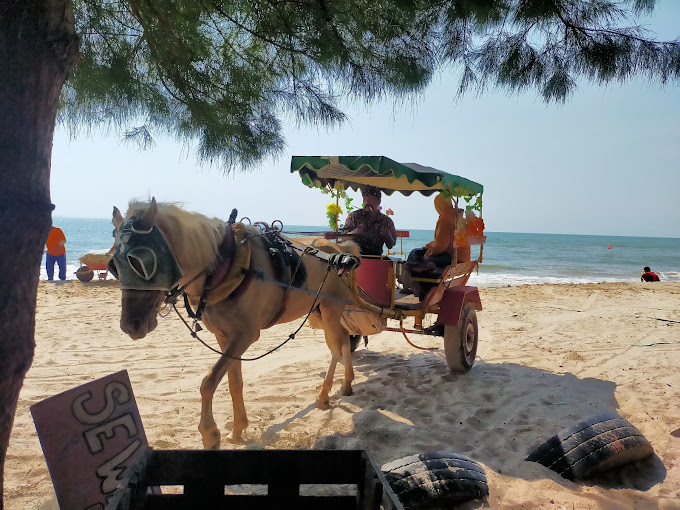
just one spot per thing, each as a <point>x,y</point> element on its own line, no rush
<point>357,171</point>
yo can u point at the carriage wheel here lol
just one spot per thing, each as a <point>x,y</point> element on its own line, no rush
<point>460,342</point>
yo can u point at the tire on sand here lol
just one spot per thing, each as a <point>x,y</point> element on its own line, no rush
<point>460,342</point>
<point>592,446</point>
<point>436,479</point>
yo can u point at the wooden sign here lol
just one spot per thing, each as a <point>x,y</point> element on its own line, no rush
<point>90,435</point>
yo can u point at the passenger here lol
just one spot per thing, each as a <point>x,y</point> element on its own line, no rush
<point>439,252</point>
<point>649,276</point>
<point>370,228</point>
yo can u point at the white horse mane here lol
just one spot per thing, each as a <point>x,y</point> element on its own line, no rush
<point>193,238</point>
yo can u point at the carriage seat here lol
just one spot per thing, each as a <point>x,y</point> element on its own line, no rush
<point>421,277</point>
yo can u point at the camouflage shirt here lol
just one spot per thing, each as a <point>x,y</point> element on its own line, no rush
<point>376,232</point>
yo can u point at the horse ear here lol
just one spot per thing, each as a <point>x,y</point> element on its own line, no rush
<point>117,217</point>
<point>147,220</point>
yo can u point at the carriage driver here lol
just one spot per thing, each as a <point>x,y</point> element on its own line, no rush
<point>369,227</point>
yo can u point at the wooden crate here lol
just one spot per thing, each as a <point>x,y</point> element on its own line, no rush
<point>203,475</point>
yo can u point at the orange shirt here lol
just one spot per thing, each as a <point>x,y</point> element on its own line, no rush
<point>55,242</point>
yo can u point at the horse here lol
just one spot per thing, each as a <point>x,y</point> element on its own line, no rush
<point>162,245</point>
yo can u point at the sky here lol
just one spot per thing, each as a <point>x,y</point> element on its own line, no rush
<point>605,163</point>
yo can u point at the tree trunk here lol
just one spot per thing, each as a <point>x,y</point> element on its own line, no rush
<point>38,47</point>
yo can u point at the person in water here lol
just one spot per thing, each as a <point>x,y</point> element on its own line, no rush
<point>649,275</point>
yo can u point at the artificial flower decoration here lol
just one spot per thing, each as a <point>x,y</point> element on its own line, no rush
<point>333,212</point>
<point>475,225</point>
<point>389,212</point>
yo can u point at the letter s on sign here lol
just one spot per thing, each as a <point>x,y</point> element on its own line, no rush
<point>116,392</point>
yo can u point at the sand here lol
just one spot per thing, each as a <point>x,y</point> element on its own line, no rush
<point>549,356</point>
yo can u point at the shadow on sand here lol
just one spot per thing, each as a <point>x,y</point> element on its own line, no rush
<point>496,414</point>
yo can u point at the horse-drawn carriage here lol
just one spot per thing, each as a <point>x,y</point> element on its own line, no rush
<point>382,286</point>
<point>238,279</point>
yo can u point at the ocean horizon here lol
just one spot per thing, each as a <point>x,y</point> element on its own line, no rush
<point>508,258</point>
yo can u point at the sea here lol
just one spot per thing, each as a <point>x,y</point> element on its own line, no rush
<point>508,259</point>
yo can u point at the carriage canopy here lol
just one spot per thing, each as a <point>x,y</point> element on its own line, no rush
<point>384,173</point>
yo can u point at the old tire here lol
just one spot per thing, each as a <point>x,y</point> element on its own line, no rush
<point>460,342</point>
<point>436,479</point>
<point>84,274</point>
<point>592,446</point>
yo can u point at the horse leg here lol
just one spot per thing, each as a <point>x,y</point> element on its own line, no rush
<point>338,343</point>
<point>235,378</point>
<point>323,399</point>
<point>207,426</point>
<point>349,367</point>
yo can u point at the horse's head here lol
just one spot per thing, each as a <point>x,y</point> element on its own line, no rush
<point>139,313</point>
<point>146,268</point>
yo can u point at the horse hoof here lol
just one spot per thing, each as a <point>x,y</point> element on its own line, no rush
<point>235,437</point>
<point>323,403</point>
<point>211,440</point>
<point>347,391</point>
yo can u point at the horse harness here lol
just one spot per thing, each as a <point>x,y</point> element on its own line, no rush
<point>233,274</point>
<point>143,260</point>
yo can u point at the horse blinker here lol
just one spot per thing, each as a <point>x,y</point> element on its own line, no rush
<point>143,260</point>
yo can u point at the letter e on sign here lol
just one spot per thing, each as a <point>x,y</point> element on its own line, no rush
<point>91,436</point>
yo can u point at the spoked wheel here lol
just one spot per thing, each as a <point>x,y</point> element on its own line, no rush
<point>460,342</point>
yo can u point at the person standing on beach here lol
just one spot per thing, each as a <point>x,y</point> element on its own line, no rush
<point>649,275</point>
<point>56,253</point>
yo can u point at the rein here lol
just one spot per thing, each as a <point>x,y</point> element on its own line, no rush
<point>340,261</point>
<point>290,337</point>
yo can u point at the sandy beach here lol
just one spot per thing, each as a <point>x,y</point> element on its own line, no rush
<point>549,356</point>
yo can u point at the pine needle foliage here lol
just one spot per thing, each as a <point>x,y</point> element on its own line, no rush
<point>223,74</point>
<point>548,45</point>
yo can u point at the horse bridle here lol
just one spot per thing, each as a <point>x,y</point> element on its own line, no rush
<point>142,259</point>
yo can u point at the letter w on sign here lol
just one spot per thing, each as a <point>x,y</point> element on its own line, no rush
<point>91,436</point>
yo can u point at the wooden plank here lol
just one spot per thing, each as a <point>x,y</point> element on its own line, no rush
<point>241,502</point>
<point>231,467</point>
<point>204,475</point>
<point>283,489</point>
